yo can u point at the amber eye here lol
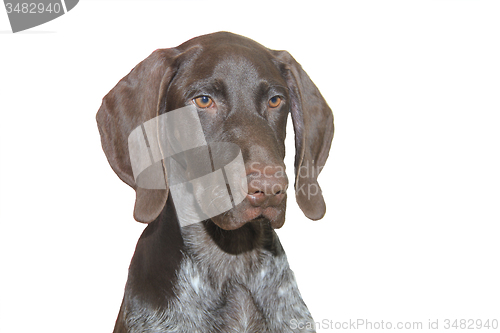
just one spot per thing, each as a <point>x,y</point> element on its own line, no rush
<point>274,102</point>
<point>203,102</point>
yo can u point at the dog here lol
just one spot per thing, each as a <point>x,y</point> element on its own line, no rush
<point>227,273</point>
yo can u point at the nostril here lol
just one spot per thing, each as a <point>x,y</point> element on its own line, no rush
<point>278,189</point>
<point>256,193</point>
<point>256,198</point>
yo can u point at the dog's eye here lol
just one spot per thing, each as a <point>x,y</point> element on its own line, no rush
<point>203,102</point>
<point>274,102</point>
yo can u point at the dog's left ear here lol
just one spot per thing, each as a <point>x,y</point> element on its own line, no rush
<point>313,124</point>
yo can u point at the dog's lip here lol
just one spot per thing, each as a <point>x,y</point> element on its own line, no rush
<point>259,218</point>
<point>267,214</point>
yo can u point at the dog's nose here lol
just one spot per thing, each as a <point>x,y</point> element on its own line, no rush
<point>267,185</point>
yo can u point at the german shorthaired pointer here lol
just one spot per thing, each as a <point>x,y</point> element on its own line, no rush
<point>228,273</point>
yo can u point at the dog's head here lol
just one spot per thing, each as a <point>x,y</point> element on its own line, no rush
<point>242,93</point>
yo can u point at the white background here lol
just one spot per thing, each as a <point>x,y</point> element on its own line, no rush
<point>412,184</point>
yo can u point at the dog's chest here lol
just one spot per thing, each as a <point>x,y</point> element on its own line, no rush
<point>264,298</point>
<point>218,292</point>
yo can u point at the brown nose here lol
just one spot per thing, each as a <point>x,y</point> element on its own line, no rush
<point>267,185</point>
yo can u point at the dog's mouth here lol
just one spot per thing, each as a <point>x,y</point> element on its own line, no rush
<point>245,213</point>
<point>239,240</point>
<point>260,218</point>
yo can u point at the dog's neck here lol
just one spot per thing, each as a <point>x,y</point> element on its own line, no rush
<point>227,254</point>
<point>223,255</point>
<point>254,236</point>
<point>167,256</point>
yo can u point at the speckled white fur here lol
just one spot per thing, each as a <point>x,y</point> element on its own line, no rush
<point>219,292</point>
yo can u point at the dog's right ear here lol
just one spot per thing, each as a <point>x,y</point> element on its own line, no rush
<point>133,101</point>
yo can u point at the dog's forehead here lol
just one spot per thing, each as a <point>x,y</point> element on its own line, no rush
<point>232,59</point>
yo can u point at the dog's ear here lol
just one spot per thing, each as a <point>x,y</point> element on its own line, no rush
<point>134,100</point>
<point>313,124</point>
